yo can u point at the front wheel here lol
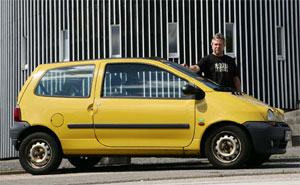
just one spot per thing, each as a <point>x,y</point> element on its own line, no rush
<point>84,162</point>
<point>40,153</point>
<point>228,147</point>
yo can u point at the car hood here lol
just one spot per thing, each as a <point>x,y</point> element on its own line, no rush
<point>279,113</point>
<point>255,101</point>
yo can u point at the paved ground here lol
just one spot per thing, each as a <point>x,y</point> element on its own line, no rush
<point>178,172</point>
<point>277,179</point>
<point>12,166</point>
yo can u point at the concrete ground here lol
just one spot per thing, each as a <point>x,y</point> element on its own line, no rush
<point>13,166</point>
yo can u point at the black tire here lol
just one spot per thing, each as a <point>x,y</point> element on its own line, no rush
<point>40,153</point>
<point>257,159</point>
<point>228,147</point>
<point>84,162</point>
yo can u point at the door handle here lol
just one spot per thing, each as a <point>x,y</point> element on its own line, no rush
<point>92,108</point>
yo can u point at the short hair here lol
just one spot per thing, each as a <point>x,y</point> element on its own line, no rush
<point>218,36</point>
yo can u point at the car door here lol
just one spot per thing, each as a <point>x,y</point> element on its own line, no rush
<point>141,105</point>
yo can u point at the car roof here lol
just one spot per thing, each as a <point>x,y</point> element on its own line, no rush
<point>81,62</point>
<point>157,59</point>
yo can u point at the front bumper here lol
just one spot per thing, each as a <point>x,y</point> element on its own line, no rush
<point>269,139</point>
<point>16,130</point>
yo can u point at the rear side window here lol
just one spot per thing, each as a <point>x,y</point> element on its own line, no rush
<point>74,81</point>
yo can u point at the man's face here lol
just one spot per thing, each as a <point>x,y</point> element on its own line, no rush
<point>218,47</point>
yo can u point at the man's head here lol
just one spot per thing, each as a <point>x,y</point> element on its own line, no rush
<point>218,44</point>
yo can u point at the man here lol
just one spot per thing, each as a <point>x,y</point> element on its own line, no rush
<point>217,66</point>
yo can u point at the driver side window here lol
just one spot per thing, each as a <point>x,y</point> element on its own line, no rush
<point>141,81</point>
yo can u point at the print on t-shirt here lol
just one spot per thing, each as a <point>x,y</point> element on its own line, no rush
<point>221,67</point>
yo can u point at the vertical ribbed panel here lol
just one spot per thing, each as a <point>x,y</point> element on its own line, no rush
<point>9,71</point>
<point>297,47</point>
<point>32,33</point>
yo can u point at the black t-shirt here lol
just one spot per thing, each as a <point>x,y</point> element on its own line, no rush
<point>219,69</point>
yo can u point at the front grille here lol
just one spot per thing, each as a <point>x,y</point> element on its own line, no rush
<point>284,125</point>
<point>281,125</point>
<point>279,143</point>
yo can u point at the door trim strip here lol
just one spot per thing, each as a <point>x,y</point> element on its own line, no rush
<point>130,126</point>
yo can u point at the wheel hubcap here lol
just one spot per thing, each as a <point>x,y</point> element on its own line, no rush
<point>227,147</point>
<point>39,154</point>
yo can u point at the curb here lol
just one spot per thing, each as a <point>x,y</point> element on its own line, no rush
<point>292,159</point>
<point>16,172</point>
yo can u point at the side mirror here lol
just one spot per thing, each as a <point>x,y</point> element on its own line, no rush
<point>189,90</point>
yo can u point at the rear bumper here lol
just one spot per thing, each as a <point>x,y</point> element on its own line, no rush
<point>269,139</point>
<point>16,130</point>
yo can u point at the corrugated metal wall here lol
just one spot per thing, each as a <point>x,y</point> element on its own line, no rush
<point>32,33</point>
<point>9,83</point>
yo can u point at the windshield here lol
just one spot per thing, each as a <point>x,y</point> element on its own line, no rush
<point>206,81</point>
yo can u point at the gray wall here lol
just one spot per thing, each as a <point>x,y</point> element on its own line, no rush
<point>31,33</point>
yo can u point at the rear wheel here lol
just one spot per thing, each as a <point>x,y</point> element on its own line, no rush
<point>84,162</point>
<point>228,147</point>
<point>40,153</point>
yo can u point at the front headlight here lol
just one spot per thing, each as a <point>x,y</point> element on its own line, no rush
<point>271,116</point>
<point>282,117</point>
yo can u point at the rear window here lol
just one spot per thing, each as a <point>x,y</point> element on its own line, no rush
<point>74,81</point>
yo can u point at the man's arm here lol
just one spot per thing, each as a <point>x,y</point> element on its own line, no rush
<point>237,83</point>
<point>194,68</point>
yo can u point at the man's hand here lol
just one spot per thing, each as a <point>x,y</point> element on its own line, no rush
<point>237,83</point>
<point>194,68</point>
<point>185,65</point>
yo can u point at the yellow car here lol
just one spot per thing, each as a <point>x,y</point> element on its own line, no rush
<point>85,110</point>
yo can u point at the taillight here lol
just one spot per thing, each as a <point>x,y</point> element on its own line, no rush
<point>17,114</point>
